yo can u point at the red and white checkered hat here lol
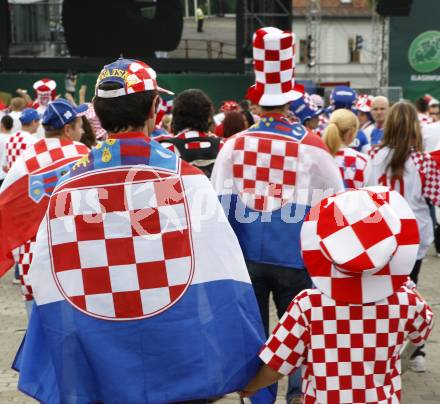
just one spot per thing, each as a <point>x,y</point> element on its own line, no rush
<point>45,85</point>
<point>359,246</point>
<point>363,103</point>
<point>133,76</point>
<point>274,66</point>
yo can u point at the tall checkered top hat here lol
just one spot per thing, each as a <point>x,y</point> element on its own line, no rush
<point>133,76</point>
<point>359,246</point>
<point>274,65</point>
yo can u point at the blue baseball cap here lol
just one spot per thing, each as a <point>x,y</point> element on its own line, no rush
<point>28,115</point>
<point>343,97</point>
<point>61,112</point>
<point>303,110</point>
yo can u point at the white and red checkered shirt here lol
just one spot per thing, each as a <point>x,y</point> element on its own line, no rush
<point>16,144</point>
<point>420,180</point>
<point>353,167</point>
<point>349,353</point>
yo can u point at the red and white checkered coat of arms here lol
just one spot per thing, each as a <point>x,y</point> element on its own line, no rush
<point>121,250</point>
<point>264,170</point>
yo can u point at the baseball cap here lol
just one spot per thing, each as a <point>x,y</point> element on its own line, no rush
<point>61,112</point>
<point>28,115</point>
<point>304,110</point>
<point>133,76</point>
<point>343,97</point>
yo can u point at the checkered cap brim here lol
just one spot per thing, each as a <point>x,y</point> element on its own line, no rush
<point>274,66</point>
<point>359,246</point>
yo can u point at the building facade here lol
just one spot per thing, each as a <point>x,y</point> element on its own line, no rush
<point>345,49</point>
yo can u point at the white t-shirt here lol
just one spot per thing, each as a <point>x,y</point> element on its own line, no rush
<point>421,181</point>
<point>15,115</point>
<point>431,136</point>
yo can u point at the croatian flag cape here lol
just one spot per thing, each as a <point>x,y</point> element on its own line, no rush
<point>142,294</point>
<point>25,192</point>
<point>267,179</point>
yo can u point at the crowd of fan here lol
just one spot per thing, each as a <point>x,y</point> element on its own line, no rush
<point>355,128</point>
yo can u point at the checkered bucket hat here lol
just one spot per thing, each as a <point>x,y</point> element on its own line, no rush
<point>364,102</point>
<point>359,246</point>
<point>274,65</point>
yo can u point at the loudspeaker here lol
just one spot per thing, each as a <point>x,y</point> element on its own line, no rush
<point>393,8</point>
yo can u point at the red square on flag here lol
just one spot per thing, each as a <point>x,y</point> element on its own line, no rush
<point>145,222</point>
<point>65,256</point>
<point>176,244</point>
<point>96,280</point>
<point>89,227</point>
<point>128,304</point>
<point>120,251</point>
<point>152,275</point>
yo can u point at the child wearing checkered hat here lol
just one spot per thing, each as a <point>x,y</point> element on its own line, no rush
<point>347,334</point>
<point>338,136</point>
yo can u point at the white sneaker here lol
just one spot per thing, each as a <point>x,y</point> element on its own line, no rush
<point>417,364</point>
<point>16,281</point>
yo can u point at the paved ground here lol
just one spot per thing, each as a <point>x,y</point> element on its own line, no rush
<point>418,388</point>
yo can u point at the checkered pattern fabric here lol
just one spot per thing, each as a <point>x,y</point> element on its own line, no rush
<point>165,107</point>
<point>188,134</point>
<point>364,102</point>
<point>230,105</point>
<point>16,144</point>
<point>430,174</point>
<point>122,251</point>
<point>24,260</point>
<point>274,52</point>
<point>323,123</point>
<point>355,243</point>
<point>350,353</point>
<point>352,166</point>
<point>95,123</point>
<point>264,171</point>
<point>46,151</point>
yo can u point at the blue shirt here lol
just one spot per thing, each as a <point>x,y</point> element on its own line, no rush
<point>376,135</point>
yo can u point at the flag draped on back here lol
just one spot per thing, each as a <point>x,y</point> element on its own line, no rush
<point>26,189</point>
<point>142,294</point>
<point>267,178</point>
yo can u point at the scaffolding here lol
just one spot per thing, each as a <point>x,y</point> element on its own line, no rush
<point>381,44</point>
<point>313,35</point>
<point>264,13</point>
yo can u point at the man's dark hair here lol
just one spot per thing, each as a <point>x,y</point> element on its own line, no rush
<point>192,109</point>
<point>7,122</point>
<point>121,113</point>
<point>271,108</point>
<point>422,105</point>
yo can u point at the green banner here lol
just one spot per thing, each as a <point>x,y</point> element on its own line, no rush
<point>414,62</point>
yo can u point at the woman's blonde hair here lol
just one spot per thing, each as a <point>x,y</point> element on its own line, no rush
<point>341,121</point>
<point>402,134</point>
